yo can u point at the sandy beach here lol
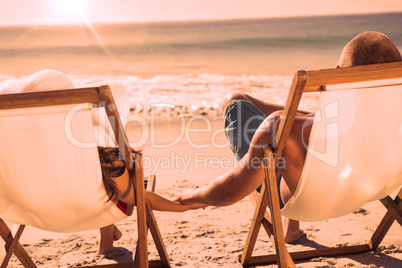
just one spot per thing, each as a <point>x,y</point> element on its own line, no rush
<point>213,237</point>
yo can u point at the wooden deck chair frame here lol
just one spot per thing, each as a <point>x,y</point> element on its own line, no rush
<point>98,97</point>
<point>311,81</point>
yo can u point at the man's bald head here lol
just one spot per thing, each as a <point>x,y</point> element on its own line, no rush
<point>369,48</point>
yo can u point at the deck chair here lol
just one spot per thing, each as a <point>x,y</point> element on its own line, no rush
<point>354,156</point>
<point>50,175</point>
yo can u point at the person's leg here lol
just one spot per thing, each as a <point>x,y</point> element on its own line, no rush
<point>265,107</point>
<point>294,156</point>
<point>108,235</point>
<point>291,231</point>
<point>291,164</point>
<point>294,153</point>
<point>242,119</point>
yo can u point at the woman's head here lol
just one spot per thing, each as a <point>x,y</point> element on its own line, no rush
<point>112,166</point>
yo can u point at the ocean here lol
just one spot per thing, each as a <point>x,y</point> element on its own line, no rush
<point>192,65</point>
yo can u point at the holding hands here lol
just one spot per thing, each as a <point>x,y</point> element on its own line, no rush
<point>190,199</point>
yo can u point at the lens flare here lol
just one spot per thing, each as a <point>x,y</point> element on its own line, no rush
<point>71,6</point>
<point>74,10</point>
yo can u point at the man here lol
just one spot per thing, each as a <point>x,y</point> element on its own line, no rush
<point>248,128</point>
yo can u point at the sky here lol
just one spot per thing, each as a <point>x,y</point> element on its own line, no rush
<point>34,12</point>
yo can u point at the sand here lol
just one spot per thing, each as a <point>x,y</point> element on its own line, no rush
<point>213,237</point>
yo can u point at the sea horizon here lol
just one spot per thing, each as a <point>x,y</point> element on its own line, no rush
<point>202,20</point>
<point>191,64</point>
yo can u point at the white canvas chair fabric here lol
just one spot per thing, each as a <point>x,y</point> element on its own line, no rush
<point>50,177</point>
<point>354,153</point>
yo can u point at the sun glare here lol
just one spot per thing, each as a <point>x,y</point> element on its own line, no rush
<point>73,12</point>
<point>71,6</point>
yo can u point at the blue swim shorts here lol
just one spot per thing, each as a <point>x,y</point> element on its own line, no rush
<point>242,119</point>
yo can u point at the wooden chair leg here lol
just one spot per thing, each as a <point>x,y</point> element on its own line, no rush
<point>136,256</point>
<point>12,243</point>
<point>151,183</point>
<point>385,224</point>
<point>272,190</point>
<point>138,182</point>
<point>267,223</point>
<point>275,230</point>
<point>13,246</point>
<point>255,227</point>
<point>164,259</point>
<point>156,235</point>
<point>393,208</point>
<point>372,245</point>
<point>153,227</point>
<point>268,196</point>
